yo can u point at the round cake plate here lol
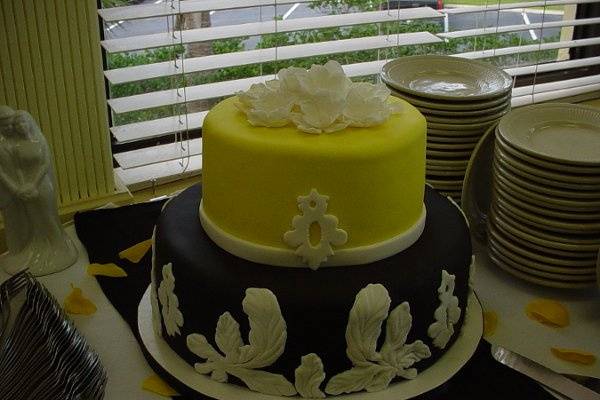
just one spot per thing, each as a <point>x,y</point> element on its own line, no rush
<point>446,78</point>
<point>561,133</point>
<point>507,296</point>
<point>449,364</point>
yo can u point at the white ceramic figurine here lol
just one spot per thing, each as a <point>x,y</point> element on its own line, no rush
<point>34,235</point>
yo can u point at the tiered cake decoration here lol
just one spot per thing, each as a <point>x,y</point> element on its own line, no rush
<point>326,176</point>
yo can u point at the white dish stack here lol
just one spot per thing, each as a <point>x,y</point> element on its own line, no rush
<point>461,99</point>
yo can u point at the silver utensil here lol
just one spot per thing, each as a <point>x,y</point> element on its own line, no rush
<point>556,382</point>
<point>44,356</point>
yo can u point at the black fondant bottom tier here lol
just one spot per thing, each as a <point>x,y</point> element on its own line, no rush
<point>315,304</point>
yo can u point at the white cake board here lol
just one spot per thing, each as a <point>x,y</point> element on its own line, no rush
<point>448,365</point>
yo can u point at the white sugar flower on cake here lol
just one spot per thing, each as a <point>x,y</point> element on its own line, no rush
<point>367,105</point>
<point>319,100</point>
<point>265,105</point>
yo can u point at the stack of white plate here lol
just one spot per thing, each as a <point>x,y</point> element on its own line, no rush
<point>460,99</point>
<point>544,224</point>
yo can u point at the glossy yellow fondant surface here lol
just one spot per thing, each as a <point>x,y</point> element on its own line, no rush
<point>252,176</point>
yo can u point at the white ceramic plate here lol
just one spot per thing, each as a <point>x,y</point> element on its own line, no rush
<point>514,249</point>
<point>460,118</point>
<point>447,153</point>
<point>575,169</point>
<point>567,177</point>
<point>546,190</point>
<point>450,146</point>
<point>464,113</point>
<point>530,238</point>
<point>589,208</point>
<point>558,132</point>
<point>446,78</point>
<point>445,105</point>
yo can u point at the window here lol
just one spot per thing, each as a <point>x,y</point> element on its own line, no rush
<point>168,61</point>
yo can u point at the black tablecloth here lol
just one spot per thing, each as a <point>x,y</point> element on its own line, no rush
<point>105,232</point>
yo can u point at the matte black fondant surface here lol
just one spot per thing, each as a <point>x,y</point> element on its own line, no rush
<point>315,304</point>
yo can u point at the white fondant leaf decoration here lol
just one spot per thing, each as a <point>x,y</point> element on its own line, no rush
<point>198,345</point>
<point>447,314</point>
<point>219,375</point>
<point>370,309</point>
<point>266,338</point>
<point>374,370</point>
<point>407,356</point>
<point>309,376</point>
<point>228,337</point>
<point>381,380</point>
<point>267,329</point>
<point>396,331</point>
<point>264,382</point>
<point>355,379</point>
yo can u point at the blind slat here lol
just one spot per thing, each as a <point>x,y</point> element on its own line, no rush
<point>517,28</point>
<point>160,173</point>
<point>512,6</point>
<point>504,51</point>
<point>189,6</point>
<point>217,61</point>
<point>558,85</point>
<point>556,66</point>
<point>160,153</point>
<point>157,127</point>
<point>142,42</point>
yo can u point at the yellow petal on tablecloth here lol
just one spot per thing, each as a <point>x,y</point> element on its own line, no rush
<point>111,270</point>
<point>548,312</point>
<point>76,303</point>
<point>136,252</point>
<point>574,355</point>
<point>490,323</point>
<point>154,384</point>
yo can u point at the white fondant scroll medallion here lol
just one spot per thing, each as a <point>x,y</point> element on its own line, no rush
<point>313,208</point>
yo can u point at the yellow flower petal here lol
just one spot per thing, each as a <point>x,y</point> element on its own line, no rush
<point>136,252</point>
<point>574,356</point>
<point>110,269</point>
<point>154,384</point>
<point>75,303</point>
<point>490,323</point>
<point>548,312</point>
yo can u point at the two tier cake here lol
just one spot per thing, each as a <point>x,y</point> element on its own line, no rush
<point>313,261</point>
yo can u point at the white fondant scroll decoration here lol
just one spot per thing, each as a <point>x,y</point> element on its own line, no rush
<point>373,370</point>
<point>267,337</point>
<point>313,207</point>
<point>172,317</point>
<point>309,376</point>
<point>156,321</point>
<point>447,314</point>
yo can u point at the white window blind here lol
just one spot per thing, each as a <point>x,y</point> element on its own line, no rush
<point>169,61</point>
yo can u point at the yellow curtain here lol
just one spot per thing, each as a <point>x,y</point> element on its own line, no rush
<point>50,66</point>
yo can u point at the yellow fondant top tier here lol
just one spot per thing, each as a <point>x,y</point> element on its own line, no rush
<point>252,176</point>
